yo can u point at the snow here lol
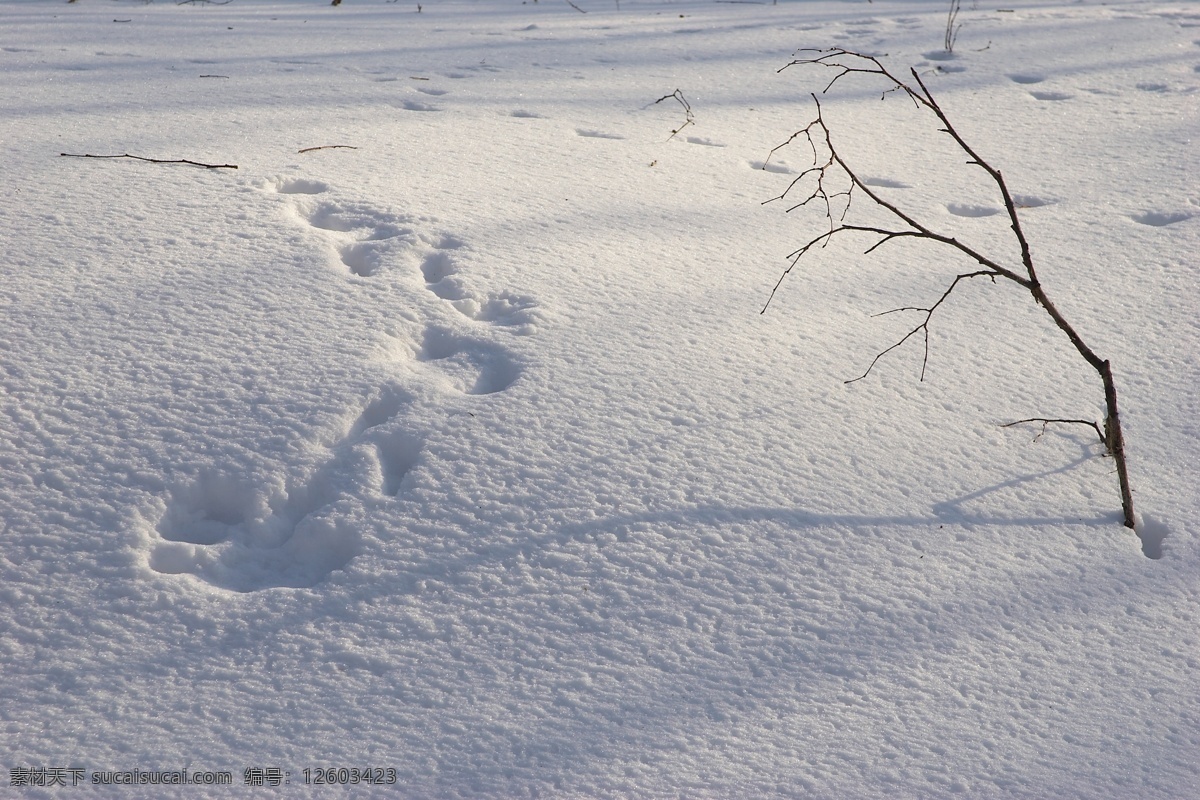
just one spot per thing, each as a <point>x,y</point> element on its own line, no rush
<point>459,446</point>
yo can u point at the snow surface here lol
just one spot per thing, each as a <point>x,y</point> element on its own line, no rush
<point>466,452</point>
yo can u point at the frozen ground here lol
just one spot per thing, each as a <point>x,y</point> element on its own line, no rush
<point>467,453</point>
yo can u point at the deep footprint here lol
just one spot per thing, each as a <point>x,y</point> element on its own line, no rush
<point>779,169</point>
<point>1051,96</point>
<point>1031,201</point>
<point>1161,219</point>
<point>398,454</point>
<point>222,531</point>
<point>300,186</point>
<point>363,237</point>
<point>205,512</point>
<point>472,366</point>
<point>367,225</point>
<point>886,183</point>
<point>363,260</point>
<point>966,210</point>
<point>590,134</point>
<point>226,532</point>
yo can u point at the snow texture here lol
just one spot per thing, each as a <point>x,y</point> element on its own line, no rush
<point>458,446</point>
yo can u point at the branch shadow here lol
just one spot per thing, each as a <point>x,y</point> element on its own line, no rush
<point>486,551</point>
<point>952,509</point>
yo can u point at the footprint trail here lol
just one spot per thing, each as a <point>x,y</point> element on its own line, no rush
<point>243,536</point>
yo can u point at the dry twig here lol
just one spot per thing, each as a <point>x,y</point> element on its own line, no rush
<point>328,147</point>
<point>687,110</point>
<point>154,160</point>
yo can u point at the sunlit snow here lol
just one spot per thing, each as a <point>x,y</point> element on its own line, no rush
<point>445,435</point>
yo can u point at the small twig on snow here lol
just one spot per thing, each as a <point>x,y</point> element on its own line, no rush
<point>154,160</point>
<point>953,26</point>
<point>328,147</point>
<point>687,110</point>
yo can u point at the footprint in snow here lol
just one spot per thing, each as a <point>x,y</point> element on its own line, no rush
<point>231,534</point>
<point>885,183</point>
<point>367,241</point>
<point>300,186</point>
<point>1031,201</point>
<point>768,166</point>
<point>1051,96</point>
<point>1026,78</point>
<point>362,236</point>
<point>590,134</point>
<point>417,105</point>
<point>1160,219</point>
<point>440,269</point>
<point>968,210</point>
<point>471,366</point>
<point>940,55</point>
<point>240,536</point>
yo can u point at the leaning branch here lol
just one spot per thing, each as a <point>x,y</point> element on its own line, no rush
<point>830,178</point>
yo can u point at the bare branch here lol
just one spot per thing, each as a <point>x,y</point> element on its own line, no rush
<point>154,160</point>
<point>824,184</point>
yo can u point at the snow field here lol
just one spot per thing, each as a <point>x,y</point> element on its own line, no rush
<point>467,451</point>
